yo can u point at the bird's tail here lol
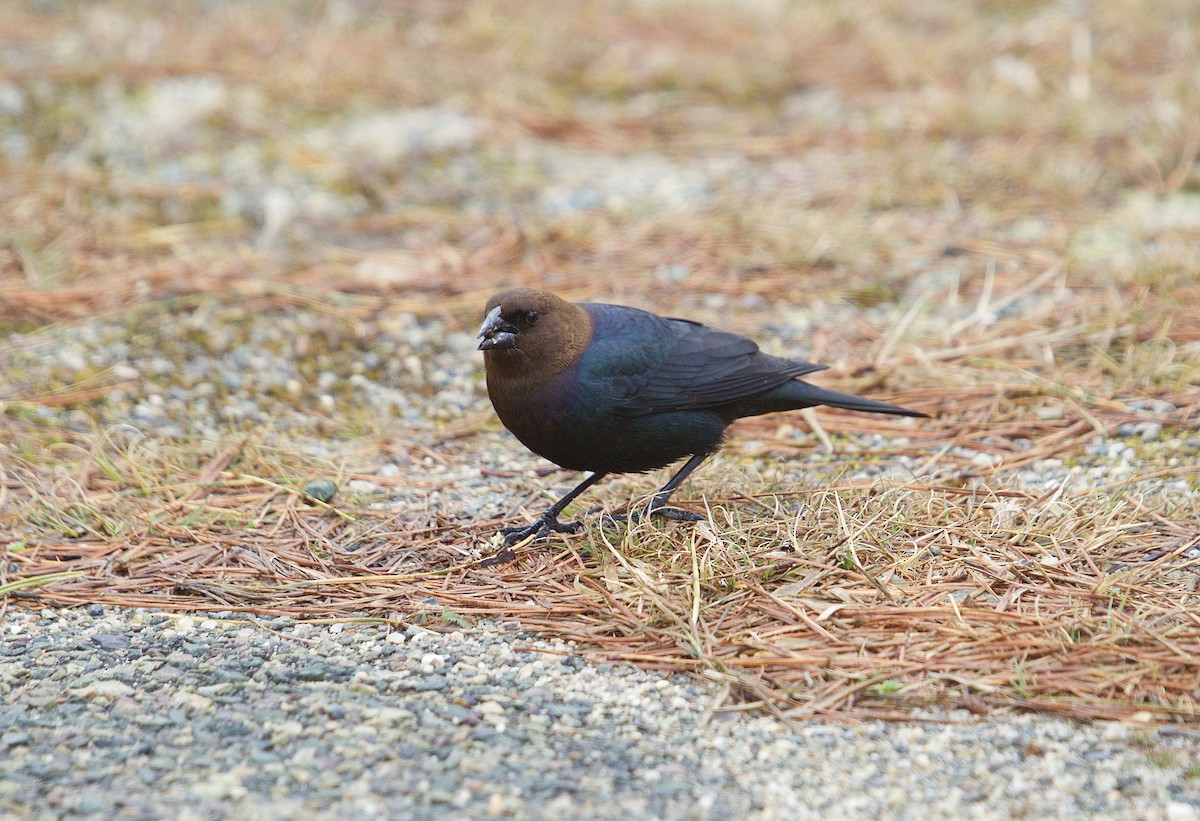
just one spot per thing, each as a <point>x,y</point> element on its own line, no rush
<point>806,395</point>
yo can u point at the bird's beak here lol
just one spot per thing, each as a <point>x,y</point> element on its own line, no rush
<point>495,333</point>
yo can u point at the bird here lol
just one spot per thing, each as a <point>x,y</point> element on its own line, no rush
<point>609,389</point>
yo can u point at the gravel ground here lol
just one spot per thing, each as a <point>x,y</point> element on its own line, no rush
<point>134,714</point>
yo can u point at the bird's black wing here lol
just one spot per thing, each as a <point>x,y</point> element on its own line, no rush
<point>700,367</point>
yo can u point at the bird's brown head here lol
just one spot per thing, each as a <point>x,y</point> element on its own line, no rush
<point>530,330</point>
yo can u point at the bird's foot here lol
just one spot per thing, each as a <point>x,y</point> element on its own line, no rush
<point>541,526</point>
<point>675,514</point>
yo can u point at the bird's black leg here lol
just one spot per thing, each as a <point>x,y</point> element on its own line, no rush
<point>658,505</point>
<point>548,522</point>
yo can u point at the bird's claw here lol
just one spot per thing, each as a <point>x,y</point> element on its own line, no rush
<point>676,514</point>
<point>673,513</point>
<point>541,526</point>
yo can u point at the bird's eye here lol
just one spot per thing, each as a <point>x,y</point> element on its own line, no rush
<point>531,317</point>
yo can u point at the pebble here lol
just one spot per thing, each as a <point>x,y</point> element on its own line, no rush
<point>320,490</point>
<point>1182,811</point>
<point>108,641</point>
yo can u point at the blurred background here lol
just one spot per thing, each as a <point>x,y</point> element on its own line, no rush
<point>703,155</point>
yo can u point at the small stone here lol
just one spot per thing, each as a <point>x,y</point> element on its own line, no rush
<point>313,672</point>
<point>285,732</point>
<point>362,487</point>
<point>102,689</point>
<point>110,642</point>
<point>1181,811</point>
<point>674,273</point>
<point>320,490</point>
<point>13,738</point>
<point>1148,431</point>
<point>425,685</point>
<point>1115,731</point>
<point>196,701</point>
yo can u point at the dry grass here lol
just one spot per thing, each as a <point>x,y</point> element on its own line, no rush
<point>824,597</point>
<point>1017,179</point>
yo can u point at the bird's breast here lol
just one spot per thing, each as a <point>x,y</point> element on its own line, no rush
<point>544,414</point>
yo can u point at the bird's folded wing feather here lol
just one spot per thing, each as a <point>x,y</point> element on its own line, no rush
<point>700,367</point>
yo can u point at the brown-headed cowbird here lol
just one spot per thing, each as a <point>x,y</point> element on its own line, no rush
<point>612,389</point>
